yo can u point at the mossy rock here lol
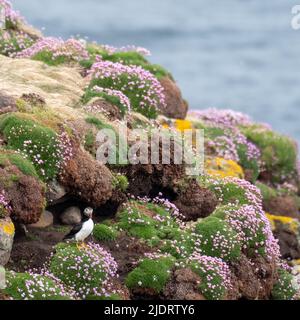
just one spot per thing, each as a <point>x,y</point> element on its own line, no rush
<point>84,270</point>
<point>37,143</point>
<point>283,288</point>
<point>146,221</point>
<point>151,274</point>
<point>212,284</point>
<point>120,182</point>
<point>218,239</point>
<point>24,286</point>
<point>279,153</point>
<point>104,233</point>
<point>24,165</point>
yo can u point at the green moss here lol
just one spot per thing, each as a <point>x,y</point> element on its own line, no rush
<point>283,289</point>
<point>151,274</point>
<point>47,57</point>
<point>89,142</point>
<point>279,153</point>
<point>217,239</point>
<point>251,239</point>
<point>146,221</point>
<point>229,192</point>
<point>41,288</point>
<point>104,233</point>
<point>251,165</point>
<point>35,142</point>
<point>267,192</point>
<point>120,182</point>
<point>24,165</point>
<point>99,124</point>
<point>181,244</point>
<point>134,94</point>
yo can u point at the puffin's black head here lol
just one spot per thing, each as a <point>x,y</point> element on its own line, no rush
<point>88,212</point>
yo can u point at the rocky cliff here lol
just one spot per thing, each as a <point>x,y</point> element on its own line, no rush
<point>232,232</point>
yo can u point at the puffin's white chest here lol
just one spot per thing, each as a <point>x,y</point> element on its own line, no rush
<point>86,230</point>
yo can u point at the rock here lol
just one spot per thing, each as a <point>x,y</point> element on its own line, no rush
<point>288,241</point>
<point>7,104</point>
<point>55,193</point>
<point>183,286</point>
<point>87,179</point>
<point>194,201</point>
<point>283,206</point>
<point>71,216</point>
<point>2,279</point>
<point>100,105</point>
<point>255,277</point>
<point>149,179</point>
<point>176,107</point>
<point>7,232</point>
<point>46,220</point>
<point>25,194</point>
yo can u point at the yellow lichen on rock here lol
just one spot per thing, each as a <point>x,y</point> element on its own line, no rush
<point>222,168</point>
<point>291,223</point>
<point>7,227</point>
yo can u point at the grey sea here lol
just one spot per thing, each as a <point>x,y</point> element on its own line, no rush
<point>237,54</point>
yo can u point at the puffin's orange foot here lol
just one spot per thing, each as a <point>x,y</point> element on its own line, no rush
<point>81,246</point>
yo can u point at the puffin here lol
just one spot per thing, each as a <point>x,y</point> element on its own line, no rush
<point>84,229</point>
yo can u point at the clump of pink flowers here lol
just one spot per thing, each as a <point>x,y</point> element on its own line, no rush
<point>71,49</point>
<point>9,13</point>
<point>38,286</point>
<point>215,275</point>
<point>88,272</point>
<point>225,118</point>
<point>141,87</point>
<point>140,50</point>
<point>5,208</point>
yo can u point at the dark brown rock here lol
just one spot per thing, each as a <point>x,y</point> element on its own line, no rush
<point>288,242</point>
<point>25,194</point>
<point>194,201</point>
<point>283,206</point>
<point>175,107</point>
<point>183,285</point>
<point>255,277</point>
<point>87,179</point>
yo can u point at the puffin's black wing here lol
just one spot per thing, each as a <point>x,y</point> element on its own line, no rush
<point>75,230</point>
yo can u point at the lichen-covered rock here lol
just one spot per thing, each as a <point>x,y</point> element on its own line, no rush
<point>7,232</point>
<point>175,107</point>
<point>71,216</point>
<point>87,179</point>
